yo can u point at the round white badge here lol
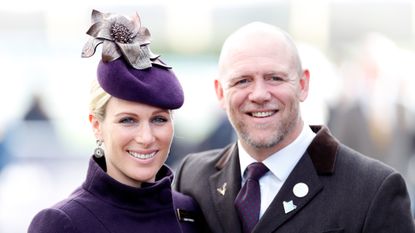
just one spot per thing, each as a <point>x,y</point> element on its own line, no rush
<point>300,190</point>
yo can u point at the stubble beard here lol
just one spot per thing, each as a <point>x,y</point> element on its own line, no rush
<point>262,143</point>
<point>280,130</point>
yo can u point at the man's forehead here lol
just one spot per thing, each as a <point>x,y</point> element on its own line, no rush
<point>254,45</point>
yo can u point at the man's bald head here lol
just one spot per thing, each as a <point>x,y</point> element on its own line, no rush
<point>261,36</point>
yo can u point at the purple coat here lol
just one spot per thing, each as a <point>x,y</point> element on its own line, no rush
<point>103,205</point>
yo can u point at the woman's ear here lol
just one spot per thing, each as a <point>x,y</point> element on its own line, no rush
<point>96,126</point>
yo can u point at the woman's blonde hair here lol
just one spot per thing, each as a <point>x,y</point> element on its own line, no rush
<point>98,101</point>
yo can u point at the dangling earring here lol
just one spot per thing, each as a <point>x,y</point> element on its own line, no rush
<point>99,152</point>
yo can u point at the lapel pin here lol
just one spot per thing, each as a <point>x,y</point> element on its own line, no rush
<point>300,190</point>
<point>288,206</point>
<point>222,189</point>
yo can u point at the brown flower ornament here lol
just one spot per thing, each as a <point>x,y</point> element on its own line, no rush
<point>121,36</point>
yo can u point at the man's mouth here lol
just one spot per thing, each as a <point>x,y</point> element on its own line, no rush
<point>262,114</point>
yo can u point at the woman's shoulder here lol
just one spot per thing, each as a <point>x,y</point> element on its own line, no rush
<point>181,200</point>
<point>59,217</point>
<point>52,220</point>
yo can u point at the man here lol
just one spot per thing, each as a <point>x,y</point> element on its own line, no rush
<point>313,183</point>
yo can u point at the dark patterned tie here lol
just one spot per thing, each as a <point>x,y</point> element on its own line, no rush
<point>248,201</point>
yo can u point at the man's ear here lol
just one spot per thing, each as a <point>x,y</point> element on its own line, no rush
<point>96,126</point>
<point>219,93</point>
<point>304,85</point>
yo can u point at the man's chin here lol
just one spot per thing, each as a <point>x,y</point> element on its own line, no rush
<point>261,142</point>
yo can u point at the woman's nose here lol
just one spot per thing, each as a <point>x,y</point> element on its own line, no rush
<point>145,135</point>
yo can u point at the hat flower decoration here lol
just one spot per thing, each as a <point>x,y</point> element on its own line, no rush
<point>121,36</point>
<point>128,69</point>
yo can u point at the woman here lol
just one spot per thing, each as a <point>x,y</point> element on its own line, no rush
<point>128,187</point>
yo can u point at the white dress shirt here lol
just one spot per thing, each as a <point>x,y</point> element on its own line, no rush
<point>280,165</point>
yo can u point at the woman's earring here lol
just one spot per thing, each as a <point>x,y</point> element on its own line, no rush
<point>99,152</point>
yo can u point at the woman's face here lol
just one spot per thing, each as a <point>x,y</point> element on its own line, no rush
<point>137,139</point>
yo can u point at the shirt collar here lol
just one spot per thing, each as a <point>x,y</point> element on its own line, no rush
<point>282,162</point>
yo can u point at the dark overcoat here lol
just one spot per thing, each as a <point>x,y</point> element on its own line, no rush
<point>103,205</point>
<point>348,192</point>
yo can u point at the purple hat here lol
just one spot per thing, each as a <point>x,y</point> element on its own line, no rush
<point>128,69</point>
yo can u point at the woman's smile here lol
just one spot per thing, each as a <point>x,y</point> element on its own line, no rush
<point>143,156</point>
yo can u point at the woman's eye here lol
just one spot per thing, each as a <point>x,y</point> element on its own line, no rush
<point>159,119</point>
<point>127,120</point>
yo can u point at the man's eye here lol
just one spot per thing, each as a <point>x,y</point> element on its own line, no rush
<point>276,78</point>
<point>240,82</point>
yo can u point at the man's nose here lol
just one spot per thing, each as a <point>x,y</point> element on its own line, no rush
<point>259,92</point>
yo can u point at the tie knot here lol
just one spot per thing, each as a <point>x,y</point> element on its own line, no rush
<point>255,171</point>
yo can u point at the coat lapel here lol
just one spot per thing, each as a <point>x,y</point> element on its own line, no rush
<point>224,186</point>
<point>226,182</point>
<point>317,161</point>
<point>277,214</point>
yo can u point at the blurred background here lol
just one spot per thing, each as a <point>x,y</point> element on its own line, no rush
<point>360,54</point>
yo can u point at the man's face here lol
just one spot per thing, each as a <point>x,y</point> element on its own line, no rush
<point>261,90</point>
